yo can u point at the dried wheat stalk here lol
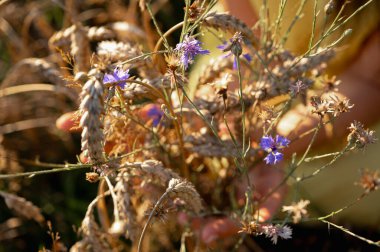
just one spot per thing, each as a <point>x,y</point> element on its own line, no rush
<point>22,207</point>
<point>125,31</point>
<point>62,39</point>
<point>127,224</point>
<point>91,108</point>
<point>93,238</point>
<point>47,69</point>
<point>214,69</point>
<point>117,51</point>
<point>227,22</point>
<point>80,49</point>
<point>179,188</point>
<point>135,91</point>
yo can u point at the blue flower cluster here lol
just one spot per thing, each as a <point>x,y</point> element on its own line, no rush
<point>273,147</point>
<point>188,49</point>
<point>118,75</point>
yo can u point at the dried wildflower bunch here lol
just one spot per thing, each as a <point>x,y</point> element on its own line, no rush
<point>162,144</point>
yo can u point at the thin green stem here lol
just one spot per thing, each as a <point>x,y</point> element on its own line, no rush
<point>241,103</point>
<point>292,167</point>
<point>53,170</point>
<point>166,34</point>
<point>202,17</point>
<point>167,46</point>
<point>336,157</point>
<point>377,243</point>
<point>158,203</point>
<point>179,130</point>
<point>67,167</point>
<point>320,156</point>
<point>296,17</point>
<point>283,110</point>
<point>185,20</point>
<point>279,17</point>
<point>314,24</point>
<point>311,142</point>
<point>202,116</point>
<point>329,31</point>
<point>142,56</point>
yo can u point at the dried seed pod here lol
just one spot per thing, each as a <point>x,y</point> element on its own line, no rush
<point>369,180</point>
<point>22,207</point>
<point>359,136</point>
<point>339,106</point>
<point>330,7</point>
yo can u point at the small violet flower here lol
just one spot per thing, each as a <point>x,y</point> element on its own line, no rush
<point>276,231</point>
<point>225,46</point>
<point>188,49</point>
<point>155,114</point>
<point>272,147</point>
<point>118,75</point>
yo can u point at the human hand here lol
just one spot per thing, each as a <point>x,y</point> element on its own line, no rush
<point>214,230</point>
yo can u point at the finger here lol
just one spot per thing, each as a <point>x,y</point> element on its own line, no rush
<point>83,158</point>
<point>217,229</point>
<point>265,180</point>
<point>68,122</point>
<point>295,123</point>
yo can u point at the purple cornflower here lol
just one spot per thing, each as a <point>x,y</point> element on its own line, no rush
<point>272,147</point>
<point>296,88</point>
<point>118,75</point>
<point>155,113</point>
<point>188,49</point>
<point>275,231</point>
<point>225,47</point>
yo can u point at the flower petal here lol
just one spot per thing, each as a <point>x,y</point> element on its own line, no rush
<point>282,141</point>
<point>266,143</point>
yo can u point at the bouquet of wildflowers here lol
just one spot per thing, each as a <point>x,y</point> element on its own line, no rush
<point>168,150</point>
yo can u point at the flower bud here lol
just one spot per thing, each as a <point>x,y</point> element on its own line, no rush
<point>330,7</point>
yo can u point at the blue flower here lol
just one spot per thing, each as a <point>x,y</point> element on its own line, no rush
<point>272,147</point>
<point>118,75</point>
<point>155,113</point>
<point>188,49</point>
<point>224,47</point>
